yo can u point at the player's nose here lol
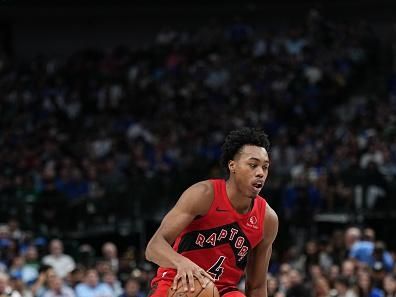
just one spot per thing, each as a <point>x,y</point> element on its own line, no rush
<point>259,172</point>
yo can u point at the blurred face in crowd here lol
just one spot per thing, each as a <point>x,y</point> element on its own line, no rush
<point>284,268</point>
<point>76,276</point>
<point>132,287</point>
<point>3,282</point>
<point>17,284</point>
<point>56,247</point>
<point>351,236</point>
<point>103,267</point>
<point>295,277</point>
<point>311,248</point>
<point>13,225</point>
<point>340,287</point>
<point>348,268</point>
<point>379,249</point>
<point>31,253</point>
<point>389,284</point>
<point>92,278</point>
<point>50,274</point>
<point>109,250</point>
<point>364,281</point>
<point>369,234</point>
<point>4,231</point>
<point>321,287</point>
<point>315,271</point>
<point>334,271</point>
<point>284,281</point>
<point>55,283</point>
<point>18,262</point>
<point>272,285</point>
<point>109,277</point>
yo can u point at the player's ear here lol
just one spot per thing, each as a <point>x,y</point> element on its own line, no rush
<point>231,165</point>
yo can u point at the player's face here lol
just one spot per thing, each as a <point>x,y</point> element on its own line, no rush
<point>251,169</point>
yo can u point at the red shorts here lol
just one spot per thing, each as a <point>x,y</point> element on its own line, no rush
<point>160,289</point>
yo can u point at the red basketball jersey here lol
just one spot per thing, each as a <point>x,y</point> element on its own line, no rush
<point>221,240</point>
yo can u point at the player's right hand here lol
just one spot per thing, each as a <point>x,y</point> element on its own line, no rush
<point>187,270</point>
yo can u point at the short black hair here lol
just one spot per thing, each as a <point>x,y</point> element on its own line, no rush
<point>236,139</point>
<point>44,268</point>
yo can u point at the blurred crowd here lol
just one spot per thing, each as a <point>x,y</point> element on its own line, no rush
<point>351,262</point>
<point>84,137</point>
<point>33,266</point>
<point>103,135</point>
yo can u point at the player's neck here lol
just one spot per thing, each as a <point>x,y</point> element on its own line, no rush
<point>241,203</point>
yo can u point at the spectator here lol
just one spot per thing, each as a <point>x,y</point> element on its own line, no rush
<point>321,287</point>
<point>19,286</point>
<point>365,286</point>
<point>370,252</point>
<point>132,289</point>
<point>46,273</point>
<point>348,271</point>
<point>56,288</point>
<point>272,286</point>
<point>31,266</point>
<point>61,262</point>
<point>378,274</point>
<point>362,249</point>
<point>102,267</point>
<point>5,289</point>
<point>381,256</point>
<point>352,235</point>
<point>389,286</point>
<point>76,276</point>
<point>110,254</point>
<point>343,288</point>
<point>110,278</point>
<point>297,287</point>
<point>91,287</point>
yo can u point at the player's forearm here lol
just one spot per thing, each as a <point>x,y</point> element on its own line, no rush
<point>161,253</point>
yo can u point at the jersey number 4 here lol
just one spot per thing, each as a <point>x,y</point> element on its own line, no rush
<point>217,270</point>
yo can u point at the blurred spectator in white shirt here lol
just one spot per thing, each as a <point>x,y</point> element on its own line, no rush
<point>61,263</point>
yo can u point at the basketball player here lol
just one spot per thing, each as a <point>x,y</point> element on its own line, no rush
<point>220,229</point>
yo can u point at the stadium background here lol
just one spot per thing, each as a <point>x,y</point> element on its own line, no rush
<point>109,111</point>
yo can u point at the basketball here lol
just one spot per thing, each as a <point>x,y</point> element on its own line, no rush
<point>209,291</point>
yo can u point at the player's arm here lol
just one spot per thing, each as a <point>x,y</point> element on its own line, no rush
<point>257,267</point>
<point>195,201</point>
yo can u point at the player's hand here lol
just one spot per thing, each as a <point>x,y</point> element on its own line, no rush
<point>187,271</point>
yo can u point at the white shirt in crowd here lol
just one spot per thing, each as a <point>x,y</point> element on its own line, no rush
<point>62,264</point>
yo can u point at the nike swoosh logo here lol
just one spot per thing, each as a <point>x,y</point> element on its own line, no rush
<point>221,210</point>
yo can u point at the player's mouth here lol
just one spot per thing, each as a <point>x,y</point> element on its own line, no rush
<point>258,185</point>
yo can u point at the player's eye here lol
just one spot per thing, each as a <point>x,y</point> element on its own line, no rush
<point>253,165</point>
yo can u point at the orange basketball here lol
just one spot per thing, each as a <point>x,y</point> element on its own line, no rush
<point>209,291</point>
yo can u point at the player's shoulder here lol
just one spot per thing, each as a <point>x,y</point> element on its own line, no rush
<point>203,188</point>
<point>198,197</point>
